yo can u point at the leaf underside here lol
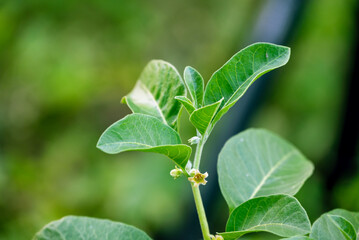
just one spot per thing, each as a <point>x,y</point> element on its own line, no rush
<point>278,214</point>
<point>330,226</point>
<point>352,217</point>
<point>79,228</point>
<point>258,163</point>
<point>233,79</point>
<point>155,90</point>
<point>195,85</point>
<point>139,132</point>
<point>298,238</point>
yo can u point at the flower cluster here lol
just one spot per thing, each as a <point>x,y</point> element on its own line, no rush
<point>195,176</point>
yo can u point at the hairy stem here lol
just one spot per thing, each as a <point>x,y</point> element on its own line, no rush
<point>201,212</point>
<point>197,195</point>
<point>197,156</point>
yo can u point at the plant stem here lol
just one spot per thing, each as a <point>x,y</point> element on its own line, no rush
<point>201,212</point>
<point>197,195</point>
<point>197,156</point>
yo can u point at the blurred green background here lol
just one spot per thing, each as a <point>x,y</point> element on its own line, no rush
<point>65,65</point>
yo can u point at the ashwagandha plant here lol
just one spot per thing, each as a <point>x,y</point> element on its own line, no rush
<point>258,171</point>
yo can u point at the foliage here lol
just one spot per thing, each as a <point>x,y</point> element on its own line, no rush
<point>138,132</point>
<point>71,227</point>
<point>275,167</point>
<point>258,171</point>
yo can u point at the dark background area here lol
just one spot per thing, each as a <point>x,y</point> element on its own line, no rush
<point>65,65</point>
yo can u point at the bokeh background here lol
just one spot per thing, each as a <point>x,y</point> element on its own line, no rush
<point>64,66</point>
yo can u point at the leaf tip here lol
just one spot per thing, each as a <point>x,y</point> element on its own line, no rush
<point>100,146</point>
<point>187,68</point>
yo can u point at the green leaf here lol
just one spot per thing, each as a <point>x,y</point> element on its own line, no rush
<point>155,90</point>
<point>85,228</point>
<point>139,132</point>
<point>258,163</point>
<point>278,214</point>
<point>195,85</point>
<point>186,103</point>
<point>202,117</point>
<point>233,79</point>
<point>333,227</point>
<point>352,217</point>
<point>298,238</point>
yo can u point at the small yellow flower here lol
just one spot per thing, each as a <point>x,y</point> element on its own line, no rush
<point>197,178</point>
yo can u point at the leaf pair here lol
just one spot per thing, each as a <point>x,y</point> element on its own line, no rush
<point>153,101</point>
<point>278,214</point>
<point>151,127</point>
<point>200,116</point>
<point>228,84</point>
<point>258,172</point>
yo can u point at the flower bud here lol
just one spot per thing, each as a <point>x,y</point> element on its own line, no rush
<point>193,140</point>
<point>217,237</point>
<point>188,166</point>
<point>175,173</point>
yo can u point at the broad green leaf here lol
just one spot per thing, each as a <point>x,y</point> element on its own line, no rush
<point>333,227</point>
<point>258,163</point>
<point>233,79</point>
<point>298,238</point>
<point>85,228</point>
<point>155,90</point>
<point>278,214</point>
<point>139,132</point>
<point>195,85</point>
<point>202,117</point>
<point>352,217</point>
<point>186,103</point>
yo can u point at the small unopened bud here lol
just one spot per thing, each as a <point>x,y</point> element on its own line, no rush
<point>193,140</point>
<point>175,173</point>
<point>217,237</point>
<point>188,166</point>
<point>197,178</point>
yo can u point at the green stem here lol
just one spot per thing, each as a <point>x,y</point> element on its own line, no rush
<point>201,213</point>
<point>197,195</point>
<point>197,156</point>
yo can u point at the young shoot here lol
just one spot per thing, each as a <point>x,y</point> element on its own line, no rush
<point>258,172</point>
